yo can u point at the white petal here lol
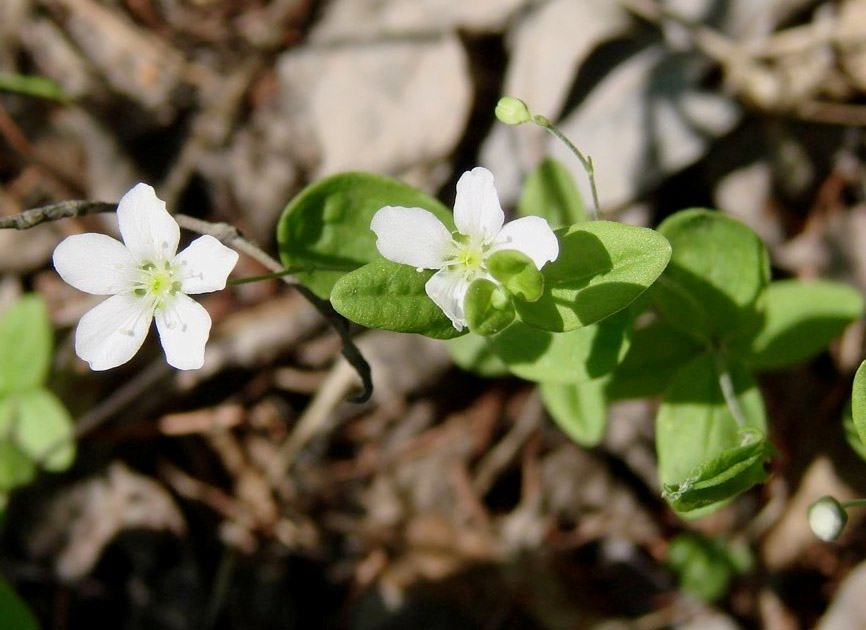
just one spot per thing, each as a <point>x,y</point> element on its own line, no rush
<point>531,236</point>
<point>148,230</point>
<point>205,265</point>
<point>412,236</point>
<point>448,290</point>
<point>112,332</point>
<point>476,209</point>
<point>184,326</point>
<point>95,263</point>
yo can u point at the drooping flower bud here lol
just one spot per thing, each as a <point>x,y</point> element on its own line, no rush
<point>827,518</point>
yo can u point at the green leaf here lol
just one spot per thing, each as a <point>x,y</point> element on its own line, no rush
<point>579,409</point>
<point>799,321</point>
<point>390,296</point>
<point>601,268</point>
<point>41,426</point>
<point>657,353</point>
<point>858,402</point>
<point>697,436</point>
<point>705,566</point>
<point>26,342</point>
<point>33,85</point>
<point>14,613</point>
<point>473,354</point>
<point>718,269</point>
<point>851,434</point>
<point>328,224</point>
<point>517,273</point>
<point>726,475</point>
<point>580,355</point>
<point>16,468</point>
<point>550,192</point>
<point>488,307</point>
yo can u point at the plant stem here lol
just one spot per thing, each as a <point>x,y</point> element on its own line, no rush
<point>585,160</point>
<point>727,386</point>
<point>853,503</point>
<point>287,272</point>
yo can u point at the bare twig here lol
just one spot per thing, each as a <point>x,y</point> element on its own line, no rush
<point>63,210</point>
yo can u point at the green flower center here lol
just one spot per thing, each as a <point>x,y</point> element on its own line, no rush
<point>156,282</point>
<point>469,255</point>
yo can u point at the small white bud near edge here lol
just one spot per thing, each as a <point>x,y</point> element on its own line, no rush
<point>512,111</point>
<point>827,518</point>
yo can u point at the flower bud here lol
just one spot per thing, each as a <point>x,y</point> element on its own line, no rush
<point>827,518</point>
<point>512,111</point>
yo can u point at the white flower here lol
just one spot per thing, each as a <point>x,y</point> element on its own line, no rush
<point>145,280</point>
<point>412,236</point>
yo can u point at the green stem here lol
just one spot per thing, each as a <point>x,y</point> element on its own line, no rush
<point>287,272</point>
<point>726,383</point>
<point>585,160</point>
<point>853,503</point>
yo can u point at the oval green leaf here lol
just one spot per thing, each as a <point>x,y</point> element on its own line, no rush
<point>726,475</point>
<point>550,192</point>
<point>656,354</point>
<point>579,409</point>
<point>41,426</point>
<point>601,268</point>
<point>473,354</point>
<point>390,296</point>
<point>580,355</point>
<point>14,613</point>
<point>16,468</point>
<point>328,224</point>
<point>26,342</point>
<point>858,402</point>
<point>695,427</point>
<point>718,269</point>
<point>799,320</point>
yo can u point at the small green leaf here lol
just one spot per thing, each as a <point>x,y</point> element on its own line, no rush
<point>473,354</point>
<point>517,273</point>
<point>488,308</point>
<point>858,402</point>
<point>851,434</point>
<point>657,353</point>
<point>601,268</point>
<point>14,613</point>
<point>33,85</point>
<point>580,355</point>
<point>726,475</point>
<point>328,224</point>
<point>41,426</point>
<point>800,319</point>
<point>390,296</point>
<point>579,409</point>
<point>550,193</point>
<point>697,436</point>
<point>26,340</point>
<point>718,269</point>
<point>705,566</point>
<point>16,468</point>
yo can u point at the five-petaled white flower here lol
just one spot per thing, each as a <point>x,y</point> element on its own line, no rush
<point>413,236</point>
<point>145,280</point>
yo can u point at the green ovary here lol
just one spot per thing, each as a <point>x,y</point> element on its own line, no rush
<point>156,282</point>
<point>469,257</point>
